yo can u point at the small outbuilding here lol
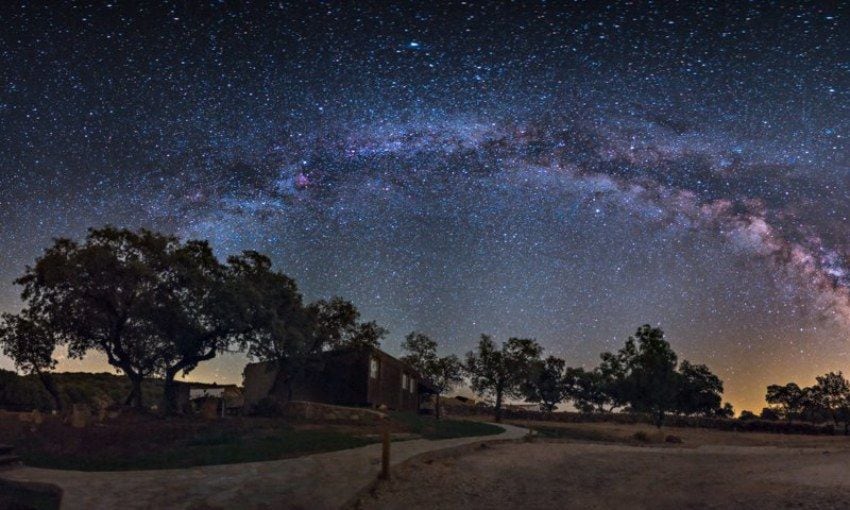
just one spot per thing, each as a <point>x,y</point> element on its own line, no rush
<point>349,377</point>
<point>191,397</point>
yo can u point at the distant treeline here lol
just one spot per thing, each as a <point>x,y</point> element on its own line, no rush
<point>644,376</point>
<point>27,393</point>
<point>827,401</point>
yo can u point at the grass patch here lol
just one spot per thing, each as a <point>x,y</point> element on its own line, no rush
<point>430,428</point>
<point>209,449</point>
<point>148,442</point>
<point>580,434</point>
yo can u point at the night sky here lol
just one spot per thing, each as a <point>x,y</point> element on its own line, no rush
<point>562,171</point>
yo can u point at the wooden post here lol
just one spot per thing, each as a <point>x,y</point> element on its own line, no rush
<point>385,448</point>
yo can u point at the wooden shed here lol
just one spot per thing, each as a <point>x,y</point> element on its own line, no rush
<point>351,377</point>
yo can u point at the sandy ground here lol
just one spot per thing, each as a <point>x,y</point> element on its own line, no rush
<point>710,469</point>
<point>317,482</point>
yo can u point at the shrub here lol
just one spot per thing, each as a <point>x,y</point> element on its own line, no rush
<point>641,436</point>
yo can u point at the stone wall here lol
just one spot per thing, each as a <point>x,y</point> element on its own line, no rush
<point>314,411</point>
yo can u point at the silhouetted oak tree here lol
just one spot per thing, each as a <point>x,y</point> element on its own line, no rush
<point>151,303</point>
<point>282,331</point>
<point>337,325</point>
<point>291,335</point>
<point>501,372</point>
<point>650,383</point>
<point>100,295</point>
<point>444,373</point>
<point>700,391</point>
<point>588,390</point>
<point>547,383</point>
<point>30,345</point>
<point>646,375</point>
<point>789,399</point>
<point>201,309</point>
<point>832,394</point>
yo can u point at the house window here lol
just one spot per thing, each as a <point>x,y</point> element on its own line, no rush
<point>412,386</point>
<point>404,380</point>
<point>373,368</point>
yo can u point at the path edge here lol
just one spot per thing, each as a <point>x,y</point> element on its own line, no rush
<point>353,503</point>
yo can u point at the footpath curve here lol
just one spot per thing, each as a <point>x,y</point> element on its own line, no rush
<point>323,481</point>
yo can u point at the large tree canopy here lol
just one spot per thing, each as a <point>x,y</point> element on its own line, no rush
<point>789,400</point>
<point>827,400</point>
<point>203,307</point>
<point>337,324</point>
<point>500,372</point>
<point>646,375</point>
<point>700,391</point>
<point>649,373</point>
<point>548,383</point>
<point>442,372</point>
<point>30,344</point>
<point>151,303</point>
<point>832,395</point>
<point>100,295</point>
<point>290,335</point>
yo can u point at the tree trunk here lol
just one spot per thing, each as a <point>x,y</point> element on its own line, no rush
<point>437,406</point>
<point>498,409</point>
<point>170,405</point>
<point>135,397</point>
<point>659,419</point>
<point>50,385</point>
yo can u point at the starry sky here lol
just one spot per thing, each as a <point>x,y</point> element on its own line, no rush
<point>559,170</point>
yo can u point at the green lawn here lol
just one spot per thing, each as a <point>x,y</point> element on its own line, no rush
<point>429,428</point>
<point>570,433</point>
<point>149,442</point>
<point>216,448</point>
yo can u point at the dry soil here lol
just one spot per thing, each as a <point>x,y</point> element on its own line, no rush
<point>709,469</point>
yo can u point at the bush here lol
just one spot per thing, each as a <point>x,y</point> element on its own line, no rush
<point>641,436</point>
<point>748,415</point>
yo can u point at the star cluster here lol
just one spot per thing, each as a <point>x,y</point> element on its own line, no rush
<point>565,171</point>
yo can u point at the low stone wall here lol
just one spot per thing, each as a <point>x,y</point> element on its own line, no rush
<point>314,411</point>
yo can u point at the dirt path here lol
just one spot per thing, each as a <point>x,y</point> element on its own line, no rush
<point>577,475</point>
<point>322,481</point>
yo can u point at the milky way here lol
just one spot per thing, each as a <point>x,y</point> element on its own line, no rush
<point>563,172</point>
